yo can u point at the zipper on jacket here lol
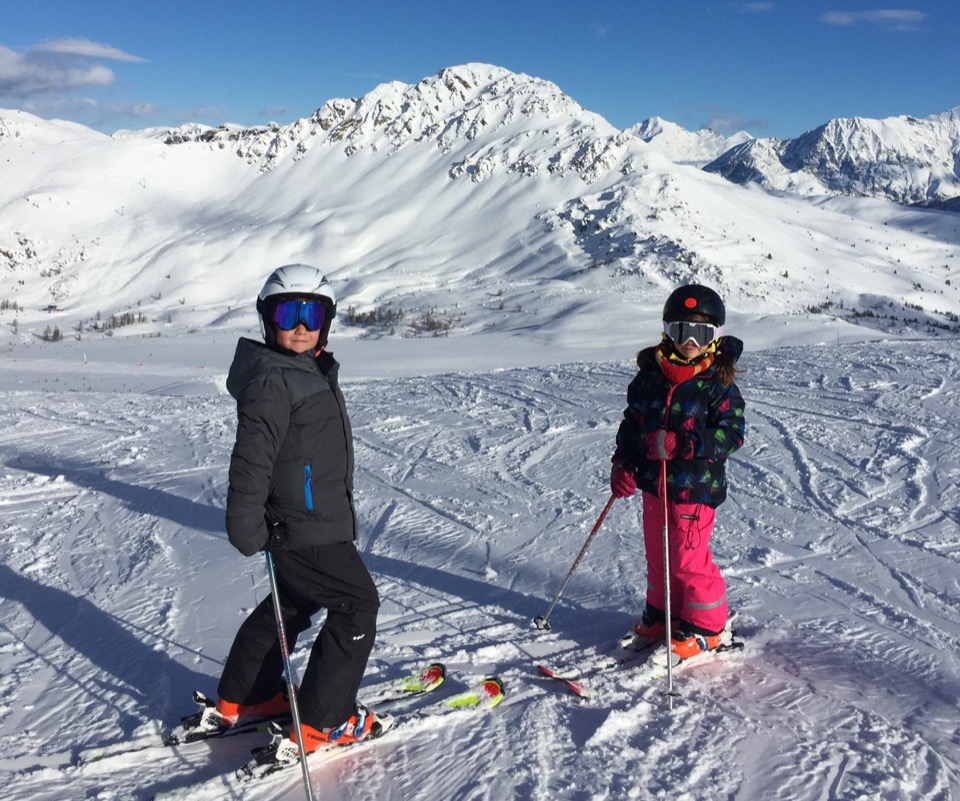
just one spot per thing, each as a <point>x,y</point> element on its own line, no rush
<point>308,486</point>
<point>668,404</point>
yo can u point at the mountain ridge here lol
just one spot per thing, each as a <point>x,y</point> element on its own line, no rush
<point>907,160</point>
<point>486,196</point>
<point>456,104</point>
<point>854,156</point>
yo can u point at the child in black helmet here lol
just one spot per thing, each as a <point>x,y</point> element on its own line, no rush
<point>684,417</point>
<point>291,491</point>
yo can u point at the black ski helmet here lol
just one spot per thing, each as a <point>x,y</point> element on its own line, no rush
<point>694,299</point>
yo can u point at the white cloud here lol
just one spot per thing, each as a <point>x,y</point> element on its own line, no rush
<point>732,123</point>
<point>890,19</point>
<point>84,48</point>
<point>61,65</point>
<point>88,110</point>
<point>272,112</point>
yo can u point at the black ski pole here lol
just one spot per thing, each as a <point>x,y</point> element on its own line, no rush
<point>288,673</point>
<point>543,621</point>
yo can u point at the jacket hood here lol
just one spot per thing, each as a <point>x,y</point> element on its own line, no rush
<point>731,346</point>
<point>253,358</point>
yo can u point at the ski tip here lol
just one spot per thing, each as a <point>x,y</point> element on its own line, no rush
<point>578,688</point>
<point>493,687</point>
<point>431,677</point>
<point>485,694</point>
<point>560,673</point>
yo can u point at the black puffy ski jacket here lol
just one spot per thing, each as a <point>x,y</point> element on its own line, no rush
<point>291,471</point>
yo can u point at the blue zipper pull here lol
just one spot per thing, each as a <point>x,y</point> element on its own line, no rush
<point>308,486</point>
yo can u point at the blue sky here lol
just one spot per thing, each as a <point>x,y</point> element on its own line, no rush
<point>772,68</point>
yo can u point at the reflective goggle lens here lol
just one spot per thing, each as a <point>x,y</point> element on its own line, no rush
<point>288,314</point>
<point>701,333</point>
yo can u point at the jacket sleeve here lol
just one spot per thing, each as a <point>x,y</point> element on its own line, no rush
<point>263,416</point>
<point>726,431</point>
<point>629,435</point>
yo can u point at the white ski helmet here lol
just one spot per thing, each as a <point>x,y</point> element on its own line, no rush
<point>294,281</point>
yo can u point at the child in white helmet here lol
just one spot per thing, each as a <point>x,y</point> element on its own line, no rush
<point>291,491</point>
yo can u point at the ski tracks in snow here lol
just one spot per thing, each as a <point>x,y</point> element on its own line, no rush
<point>475,492</point>
<point>93,492</point>
<point>874,599</point>
<point>844,494</point>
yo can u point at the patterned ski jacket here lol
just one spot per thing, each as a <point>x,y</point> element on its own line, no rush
<point>291,471</point>
<point>709,413</point>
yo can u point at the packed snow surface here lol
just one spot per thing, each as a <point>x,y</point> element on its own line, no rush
<point>476,489</point>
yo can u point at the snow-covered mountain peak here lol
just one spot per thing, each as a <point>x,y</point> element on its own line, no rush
<point>683,146</point>
<point>905,159</point>
<point>448,109</point>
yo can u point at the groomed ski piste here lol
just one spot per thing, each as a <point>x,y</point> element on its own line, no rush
<point>476,488</point>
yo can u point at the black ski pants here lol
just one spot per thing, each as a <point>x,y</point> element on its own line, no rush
<point>331,577</point>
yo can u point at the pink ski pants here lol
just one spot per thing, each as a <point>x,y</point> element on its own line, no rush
<point>698,593</point>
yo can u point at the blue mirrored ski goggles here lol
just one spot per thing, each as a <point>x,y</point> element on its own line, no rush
<point>288,314</point>
<point>702,334</point>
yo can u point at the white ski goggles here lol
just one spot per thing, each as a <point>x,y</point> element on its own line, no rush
<point>681,332</point>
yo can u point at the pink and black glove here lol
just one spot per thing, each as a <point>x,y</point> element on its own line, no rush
<point>622,482</point>
<point>664,445</point>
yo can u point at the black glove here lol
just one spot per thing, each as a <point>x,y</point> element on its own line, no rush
<point>275,531</point>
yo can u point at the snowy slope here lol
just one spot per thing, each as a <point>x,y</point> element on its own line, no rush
<point>475,491</point>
